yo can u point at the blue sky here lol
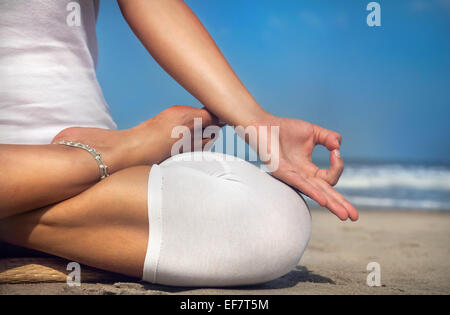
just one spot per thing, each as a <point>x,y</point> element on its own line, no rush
<point>385,89</point>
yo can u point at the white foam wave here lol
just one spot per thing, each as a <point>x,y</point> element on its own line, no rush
<point>388,176</point>
<point>399,203</point>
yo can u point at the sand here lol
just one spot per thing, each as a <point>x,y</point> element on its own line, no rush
<point>412,248</point>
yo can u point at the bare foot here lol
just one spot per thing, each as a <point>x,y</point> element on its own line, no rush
<point>146,144</point>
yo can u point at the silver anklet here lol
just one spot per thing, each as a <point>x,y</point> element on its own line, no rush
<point>98,158</point>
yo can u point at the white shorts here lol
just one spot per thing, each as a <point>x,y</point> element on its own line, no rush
<point>217,220</point>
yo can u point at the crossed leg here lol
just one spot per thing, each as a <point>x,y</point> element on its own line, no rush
<point>105,226</point>
<point>213,223</point>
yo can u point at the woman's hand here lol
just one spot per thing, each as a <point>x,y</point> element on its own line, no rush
<point>297,140</point>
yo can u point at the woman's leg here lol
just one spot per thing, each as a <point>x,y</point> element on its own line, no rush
<point>198,220</point>
<point>34,176</point>
<point>105,226</point>
<point>216,220</point>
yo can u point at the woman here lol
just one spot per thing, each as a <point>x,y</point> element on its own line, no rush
<point>168,220</point>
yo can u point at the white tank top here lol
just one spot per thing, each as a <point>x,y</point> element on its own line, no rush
<point>48,56</point>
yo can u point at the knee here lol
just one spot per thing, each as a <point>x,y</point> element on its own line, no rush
<point>288,231</point>
<point>275,238</point>
<point>241,229</point>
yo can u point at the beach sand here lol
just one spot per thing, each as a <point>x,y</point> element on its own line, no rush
<point>412,248</point>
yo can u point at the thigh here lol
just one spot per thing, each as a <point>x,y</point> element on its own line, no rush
<point>105,227</point>
<point>222,221</point>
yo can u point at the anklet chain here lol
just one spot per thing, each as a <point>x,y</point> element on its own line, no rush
<point>98,158</point>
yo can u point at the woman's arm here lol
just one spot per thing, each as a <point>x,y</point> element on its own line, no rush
<point>177,40</point>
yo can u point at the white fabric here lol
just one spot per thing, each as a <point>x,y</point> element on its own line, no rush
<point>220,223</point>
<point>155,220</point>
<point>47,70</point>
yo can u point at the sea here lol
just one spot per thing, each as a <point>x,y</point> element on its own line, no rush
<point>396,186</point>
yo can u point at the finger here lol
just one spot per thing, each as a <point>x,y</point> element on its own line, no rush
<point>329,139</point>
<point>333,204</point>
<point>306,188</point>
<point>334,172</point>
<point>351,211</point>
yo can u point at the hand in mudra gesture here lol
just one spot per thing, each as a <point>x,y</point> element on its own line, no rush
<point>297,140</point>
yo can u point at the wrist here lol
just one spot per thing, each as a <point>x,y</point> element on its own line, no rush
<point>259,125</point>
<point>255,116</point>
<point>266,119</point>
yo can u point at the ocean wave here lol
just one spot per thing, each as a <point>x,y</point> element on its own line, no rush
<point>388,176</point>
<point>392,203</point>
<point>398,203</point>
